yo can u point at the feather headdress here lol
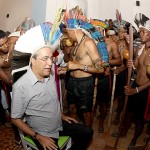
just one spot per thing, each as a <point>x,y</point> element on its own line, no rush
<point>119,23</point>
<point>142,21</point>
<point>73,17</point>
<point>76,20</point>
<point>41,35</point>
<point>99,23</point>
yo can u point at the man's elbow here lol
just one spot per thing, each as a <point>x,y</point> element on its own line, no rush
<point>101,70</point>
<point>14,121</point>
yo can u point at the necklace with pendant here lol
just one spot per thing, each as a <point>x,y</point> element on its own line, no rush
<point>7,58</point>
<point>77,46</point>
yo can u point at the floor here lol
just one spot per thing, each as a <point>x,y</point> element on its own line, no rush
<point>98,143</point>
<point>99,140</point>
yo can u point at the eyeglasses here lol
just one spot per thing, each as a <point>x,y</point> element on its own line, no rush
<point>46,59</point>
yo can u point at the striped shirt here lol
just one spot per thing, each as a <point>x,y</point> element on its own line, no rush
<point>38,101</point>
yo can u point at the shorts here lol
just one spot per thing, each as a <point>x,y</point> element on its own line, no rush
<point>103,90</point>
<point>80,91</point>
<point>121,81</point>
<point>137,103</point>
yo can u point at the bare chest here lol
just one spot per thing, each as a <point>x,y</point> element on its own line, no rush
<point>5,64</point>
<point>144,59</point>
<point>78,54</point>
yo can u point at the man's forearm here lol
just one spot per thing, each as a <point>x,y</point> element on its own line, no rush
<point>91,69</point>
<point>23,126</point>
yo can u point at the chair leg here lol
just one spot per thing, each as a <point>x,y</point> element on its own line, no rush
<point>68,146</point>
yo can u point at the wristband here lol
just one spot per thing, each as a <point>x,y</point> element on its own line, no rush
<point>85,68</point>
<point>137,90</point>
<point>35,135</point>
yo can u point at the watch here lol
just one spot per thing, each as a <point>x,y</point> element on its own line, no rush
<point>35,135</point>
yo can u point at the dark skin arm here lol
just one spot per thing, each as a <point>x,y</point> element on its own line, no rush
<point>4,77</point>
<point>132,91</point>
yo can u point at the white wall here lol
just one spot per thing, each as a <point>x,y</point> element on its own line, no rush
<point>52,8</point>
<point>38,10</point>
<point>17,10</point>
<point>45,10</point>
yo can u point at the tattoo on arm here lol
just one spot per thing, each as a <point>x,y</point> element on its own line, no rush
<point>97,63</point>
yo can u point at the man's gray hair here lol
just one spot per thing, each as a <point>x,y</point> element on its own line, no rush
<point>27,24</point>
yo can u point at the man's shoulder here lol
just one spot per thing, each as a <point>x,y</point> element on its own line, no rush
<point>23,80</point>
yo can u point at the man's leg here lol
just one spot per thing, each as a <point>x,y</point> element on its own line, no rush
<point>2,114</point>
<point>80,134</point>
<point>103,112</point>
<point>139,125</point>
<point>87,119</point>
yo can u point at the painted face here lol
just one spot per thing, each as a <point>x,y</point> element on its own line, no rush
<point>145,35</point>
<point>4,45</point>
<point>42,64</point>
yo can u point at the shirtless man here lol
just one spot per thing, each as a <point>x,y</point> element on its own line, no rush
<point>103,88</point>
<point>86,61</point>
<point>121,71</point>
<point>138,93</point>
<point>5,67</point>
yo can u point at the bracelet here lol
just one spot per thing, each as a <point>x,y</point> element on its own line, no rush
<point>35,135</point>
<point>137,90</point>
<point>85,68</point>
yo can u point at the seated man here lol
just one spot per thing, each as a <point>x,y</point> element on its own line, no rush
<point>35,97</point>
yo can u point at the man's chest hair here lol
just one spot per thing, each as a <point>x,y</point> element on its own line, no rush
<point>80,55</point>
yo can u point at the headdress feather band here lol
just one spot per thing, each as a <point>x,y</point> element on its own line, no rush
<point>142,21</point>
<point>99,23</point>
<point>78,21</point>
<point>41,35</point>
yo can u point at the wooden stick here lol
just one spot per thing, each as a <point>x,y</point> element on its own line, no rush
<point>128,83</point>
<point>112,100</point>
<point>94,98</point>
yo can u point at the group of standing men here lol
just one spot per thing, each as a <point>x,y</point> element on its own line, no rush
<point>35,95</point>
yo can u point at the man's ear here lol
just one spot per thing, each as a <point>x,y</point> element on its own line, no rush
<point>32,61</point>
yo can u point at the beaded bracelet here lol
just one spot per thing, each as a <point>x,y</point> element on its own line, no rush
<point>85,68</point>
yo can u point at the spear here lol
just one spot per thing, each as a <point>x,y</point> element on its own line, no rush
<point>107,147</point>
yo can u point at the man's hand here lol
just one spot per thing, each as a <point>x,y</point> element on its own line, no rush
<point>107,71</point>
<point>62,70</point>
<point>129,63</point>
<point>68,119</point>
<point>47,142</point>
<point>130,91</point>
